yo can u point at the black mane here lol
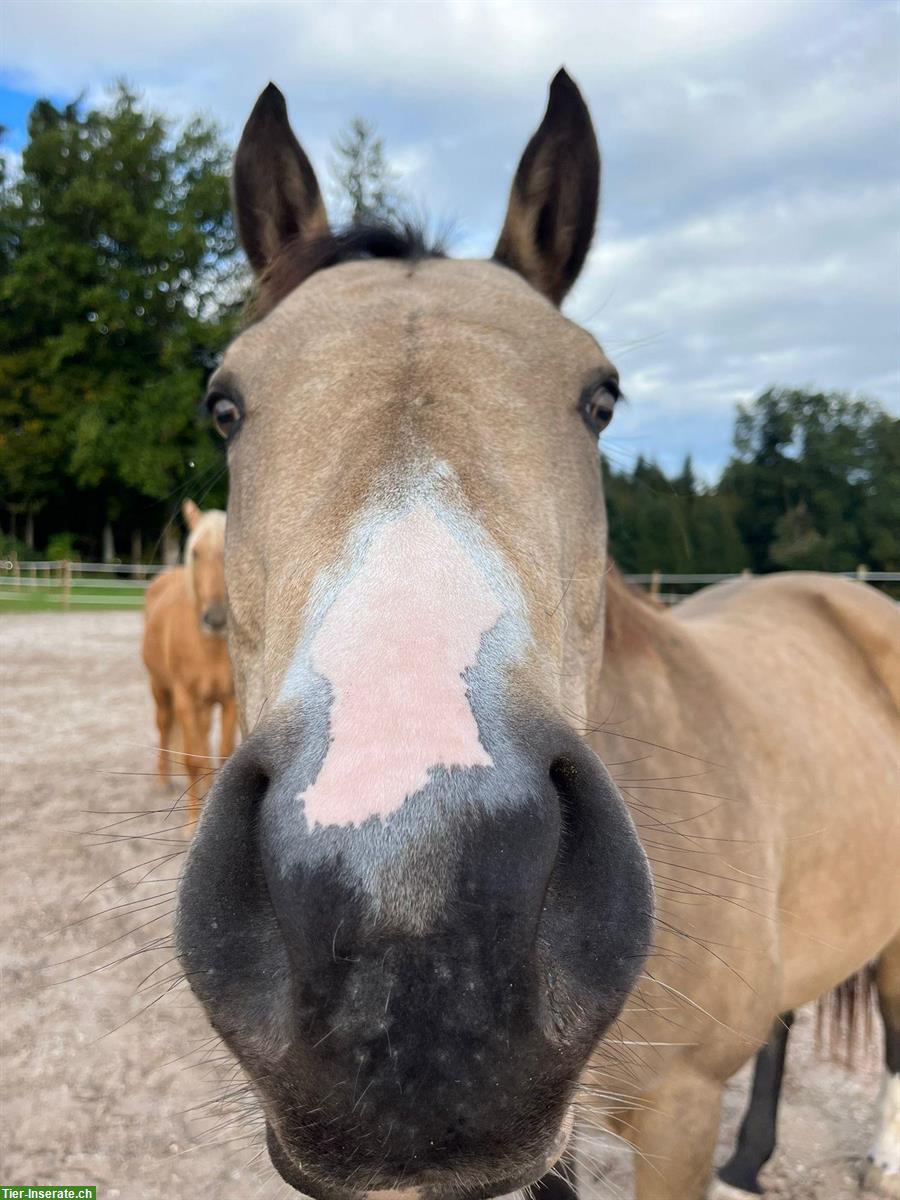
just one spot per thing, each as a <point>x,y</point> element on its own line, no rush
<point>398,239</point>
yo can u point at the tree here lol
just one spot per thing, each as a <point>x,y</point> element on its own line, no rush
<point>364,181</point>
<point>656,523</point>
<point>879,518</point>
<point>120,285</point>
<point>814,481</point>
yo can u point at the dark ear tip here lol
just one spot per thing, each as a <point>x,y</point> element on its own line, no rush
<point>565,101</point>
<point>271,101</point>
<point>562,79</point>
<point>564,89</point>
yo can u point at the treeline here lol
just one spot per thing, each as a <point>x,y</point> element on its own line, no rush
<point>121,283</point>
<point>813,484</point>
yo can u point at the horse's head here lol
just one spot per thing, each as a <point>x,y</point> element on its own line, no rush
<point>204,560</point>
<point>416,900</point>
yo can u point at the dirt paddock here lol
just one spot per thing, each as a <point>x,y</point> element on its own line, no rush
<point>109,1073</point>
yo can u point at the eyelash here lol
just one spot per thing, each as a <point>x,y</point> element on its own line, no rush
<point>596,414</point>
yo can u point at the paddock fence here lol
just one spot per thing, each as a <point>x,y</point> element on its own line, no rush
<point>669,588</point>
<point>54,586</point>
<point>66,584</point>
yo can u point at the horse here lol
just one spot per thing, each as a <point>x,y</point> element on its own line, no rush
<point>507,850</point>
<point>186,654</point>
<point>800,878</point>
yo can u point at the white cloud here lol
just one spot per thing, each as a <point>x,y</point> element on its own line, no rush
<point>750,171</point>
<point>799,289</point>
<point>492,46</point>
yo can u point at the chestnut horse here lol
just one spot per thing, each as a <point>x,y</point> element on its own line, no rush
<point>186,655</point>
<point>434,929</point>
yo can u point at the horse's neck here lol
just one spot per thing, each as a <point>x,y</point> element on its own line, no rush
<point>634,622</point>
<point>658,698</point>
<point>644,648</point>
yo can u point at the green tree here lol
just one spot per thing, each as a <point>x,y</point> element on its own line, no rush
<point>879,517</point>
<point>674,525</point>
<point>120,285</point>
<point>813,480</point>
<point>363,179</point>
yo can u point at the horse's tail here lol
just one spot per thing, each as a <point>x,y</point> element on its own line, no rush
<point>844,1016</point>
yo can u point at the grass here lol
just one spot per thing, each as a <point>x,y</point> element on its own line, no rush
<point>29,599</point>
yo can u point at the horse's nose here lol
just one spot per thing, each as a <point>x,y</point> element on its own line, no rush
<point>417,993</point>
<point>215,618</point>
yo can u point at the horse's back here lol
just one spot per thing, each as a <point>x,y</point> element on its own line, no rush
<point>798,612</point>
<point>814,665</point>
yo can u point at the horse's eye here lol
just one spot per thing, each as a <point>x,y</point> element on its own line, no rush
<point>597,403</point>
<point>226,414</point>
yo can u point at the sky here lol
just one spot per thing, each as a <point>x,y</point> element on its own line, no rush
<point>751,176</point>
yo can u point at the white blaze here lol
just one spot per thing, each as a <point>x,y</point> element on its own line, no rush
<point>393,646</point>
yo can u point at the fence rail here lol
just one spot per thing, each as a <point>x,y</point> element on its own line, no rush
<point>44,584</point>
<point>134,569</point>
<point>121,585</point>
<point>686,583</point>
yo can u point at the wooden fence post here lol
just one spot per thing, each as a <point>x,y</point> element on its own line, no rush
<point>65,573</point>
<point>654,584</point>
<point>862,573</point>
<point>16,570</point>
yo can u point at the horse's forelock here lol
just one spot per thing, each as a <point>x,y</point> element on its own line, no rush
<point>303,257</point>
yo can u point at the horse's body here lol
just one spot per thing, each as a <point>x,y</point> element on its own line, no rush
<point>774,848</point>
<point>186,656</point>
<point>416,906</point>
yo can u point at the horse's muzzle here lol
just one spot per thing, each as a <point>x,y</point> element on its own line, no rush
<point>214,620</point>
<point>416,996</point>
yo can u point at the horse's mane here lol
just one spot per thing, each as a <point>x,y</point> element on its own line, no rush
<point>400,239</point>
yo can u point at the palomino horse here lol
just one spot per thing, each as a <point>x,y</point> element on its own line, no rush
<point>418,908</point>
<point>186,655</point>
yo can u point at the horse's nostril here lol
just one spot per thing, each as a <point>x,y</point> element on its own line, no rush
<point>564,777</point>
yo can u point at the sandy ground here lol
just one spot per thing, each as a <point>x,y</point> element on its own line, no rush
<point>109,1074</point>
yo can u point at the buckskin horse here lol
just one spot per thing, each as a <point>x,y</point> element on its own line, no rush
<point>186,655</point>
<point>431,926</point>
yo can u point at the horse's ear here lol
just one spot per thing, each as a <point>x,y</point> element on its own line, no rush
<point>275,192</point>
<point>191,514</point>
<point>553,202</point>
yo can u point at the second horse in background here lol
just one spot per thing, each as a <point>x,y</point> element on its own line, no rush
<point>186,654</point>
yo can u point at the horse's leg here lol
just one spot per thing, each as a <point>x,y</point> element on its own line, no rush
<point>674,1135</point>
<point>883,1175</point>
<point>229,721</point>
<point>162,698</point>
<point>196,749</point>
<point>558,1184</point>
<point>756,1139</point>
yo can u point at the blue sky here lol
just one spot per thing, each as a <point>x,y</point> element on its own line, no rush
<point>751,192</point>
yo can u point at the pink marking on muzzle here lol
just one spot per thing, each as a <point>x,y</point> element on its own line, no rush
<point>394,646</point>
